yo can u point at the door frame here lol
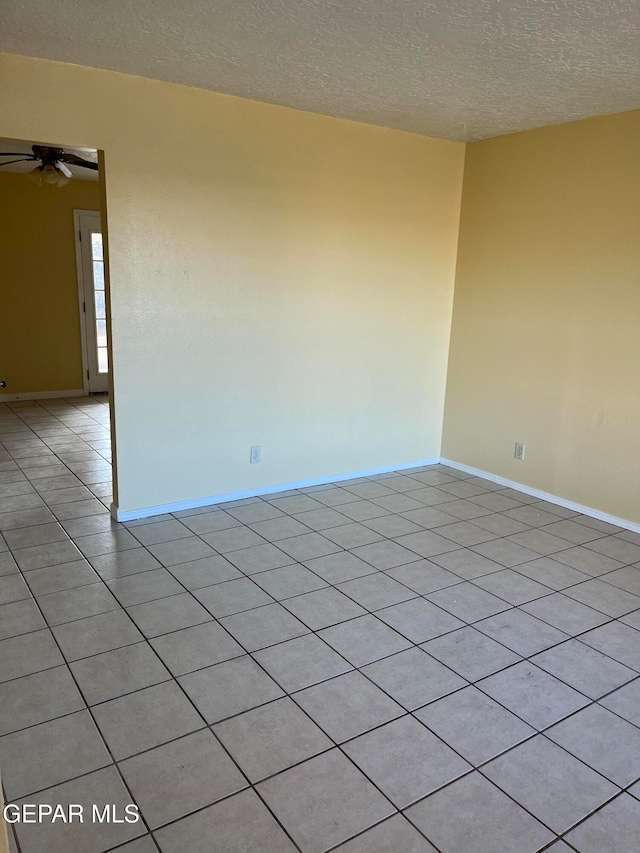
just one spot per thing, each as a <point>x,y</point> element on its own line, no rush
<point>84,345</point>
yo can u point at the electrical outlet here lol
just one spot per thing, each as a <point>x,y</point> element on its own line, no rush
<point>255,455</point>
<point>519,454</point>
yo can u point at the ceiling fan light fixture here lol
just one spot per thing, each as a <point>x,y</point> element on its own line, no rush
<point>35,175</point>
<point>50,174</point>
<point>57,175</point>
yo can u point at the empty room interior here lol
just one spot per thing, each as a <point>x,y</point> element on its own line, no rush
<point>320,427</point>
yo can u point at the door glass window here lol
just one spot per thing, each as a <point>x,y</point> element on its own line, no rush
<point>97,258</point>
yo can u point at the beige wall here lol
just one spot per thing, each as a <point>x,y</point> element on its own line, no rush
<point>277,278</point>
<point>546,331</point>
<point>40,345</point>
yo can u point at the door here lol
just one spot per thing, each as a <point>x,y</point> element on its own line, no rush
<point>93,312</point>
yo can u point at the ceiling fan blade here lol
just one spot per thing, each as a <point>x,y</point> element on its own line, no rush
<point>18,154</point>
<point>65,171</point>
<point>21,160</point>
<point>74,160</point>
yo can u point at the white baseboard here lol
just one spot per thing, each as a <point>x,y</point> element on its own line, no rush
<point>40,395</point>
<point>544,496</point>
<point>147,512</point>
<point>212,500</point>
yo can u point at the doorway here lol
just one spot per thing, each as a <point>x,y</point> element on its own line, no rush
<point>55,410</point>
<point>43,351</point>
<point>91,292</point>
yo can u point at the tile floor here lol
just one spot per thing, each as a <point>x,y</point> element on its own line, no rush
<point>415,662</point>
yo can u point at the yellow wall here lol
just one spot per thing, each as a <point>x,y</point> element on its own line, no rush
<point>40,346</point>
<point>546,328</point>
<point>277,278</point>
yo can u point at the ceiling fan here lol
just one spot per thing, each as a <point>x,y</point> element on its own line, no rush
<point>52,168</point>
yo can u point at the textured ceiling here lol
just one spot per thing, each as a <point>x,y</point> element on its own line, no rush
<point>460,69</point>
<point>20,146</point>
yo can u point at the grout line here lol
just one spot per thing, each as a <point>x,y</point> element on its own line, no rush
<point>99,733</point>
